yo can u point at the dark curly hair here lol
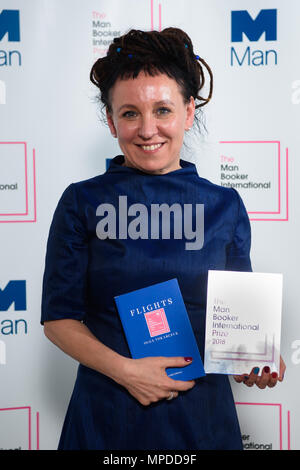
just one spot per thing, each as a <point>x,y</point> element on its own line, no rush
<point>169,52</point>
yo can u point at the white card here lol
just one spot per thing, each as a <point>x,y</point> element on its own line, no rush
<point>243,322</point>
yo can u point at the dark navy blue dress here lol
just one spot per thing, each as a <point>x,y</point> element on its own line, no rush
<point>83,274</point>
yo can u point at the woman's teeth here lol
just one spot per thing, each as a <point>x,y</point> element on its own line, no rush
<point>151,147</point>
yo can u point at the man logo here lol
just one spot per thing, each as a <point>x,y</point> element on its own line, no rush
<point>10,31</point>
<point>242,22</point>
<point>14,292</point>
<point>10,24</point>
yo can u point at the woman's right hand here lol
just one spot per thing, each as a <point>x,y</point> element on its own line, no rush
<point>147,381</point>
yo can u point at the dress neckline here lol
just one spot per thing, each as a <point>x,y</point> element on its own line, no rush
<point>116,166</point>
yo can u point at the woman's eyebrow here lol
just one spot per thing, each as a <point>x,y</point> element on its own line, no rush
<point>162,102</point>
<point>126,106</point>
<point>157,103</point>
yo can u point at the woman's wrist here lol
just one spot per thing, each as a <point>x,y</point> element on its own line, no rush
<point>117,368</point>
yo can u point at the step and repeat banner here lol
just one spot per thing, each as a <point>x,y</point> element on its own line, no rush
<point>52,134</point>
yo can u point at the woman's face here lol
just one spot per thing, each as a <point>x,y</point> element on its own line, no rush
<point>149,117</point>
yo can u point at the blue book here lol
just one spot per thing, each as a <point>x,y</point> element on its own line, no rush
<point>156,323</point>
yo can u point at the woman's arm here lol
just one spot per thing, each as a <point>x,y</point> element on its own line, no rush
<point>76,340</point>
<point>145,379</point>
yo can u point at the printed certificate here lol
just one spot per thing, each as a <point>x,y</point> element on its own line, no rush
<point>243,322</point>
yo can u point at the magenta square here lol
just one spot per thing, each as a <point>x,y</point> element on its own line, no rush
<point>28,408</point>
<point>157,322</point>
<point>279,417</point>
<point>279,165</point>
<point>26,190</point>
<point>26,178</point>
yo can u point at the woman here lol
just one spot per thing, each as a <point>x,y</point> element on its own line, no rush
<point>150,86</point>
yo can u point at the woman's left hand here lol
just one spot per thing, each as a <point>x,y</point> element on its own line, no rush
<point>266,379</point>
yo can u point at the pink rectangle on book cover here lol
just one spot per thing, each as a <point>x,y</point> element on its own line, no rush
<point>157,322</point>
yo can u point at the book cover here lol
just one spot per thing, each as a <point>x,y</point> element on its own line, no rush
<point>243,322</point>
<point>156,323</point>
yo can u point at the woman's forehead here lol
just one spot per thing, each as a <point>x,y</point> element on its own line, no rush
<point>144,89</point>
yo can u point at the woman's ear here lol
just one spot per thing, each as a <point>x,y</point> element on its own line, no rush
<point>190,113</point>
<point>110,123</point>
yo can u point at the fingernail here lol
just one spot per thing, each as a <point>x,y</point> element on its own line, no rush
<point>246,377</point>
<point>267,369</point>
<point>274,375</point>
<point>256,370</point>
<point>188,359</point>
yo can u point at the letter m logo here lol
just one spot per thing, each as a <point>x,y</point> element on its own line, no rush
<point>10,24</point>
<point>15,291</point>
<point>242,22</point>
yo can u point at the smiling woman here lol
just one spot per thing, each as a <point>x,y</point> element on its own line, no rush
<point>150,86</point>
<point>149,83</point>
<point>150,125</point>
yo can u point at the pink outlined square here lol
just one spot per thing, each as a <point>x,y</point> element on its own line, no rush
<point>157,322</point>
<point>29,419</point>
<point>26,185</point>
<point>278,178</point>
<point>279,410</point>
<point>26,178</point>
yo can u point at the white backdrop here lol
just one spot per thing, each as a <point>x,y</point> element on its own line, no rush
<point>51,135</point>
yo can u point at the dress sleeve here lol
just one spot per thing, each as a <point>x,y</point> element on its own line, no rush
<point>238,251</point>
<point>64,281</point>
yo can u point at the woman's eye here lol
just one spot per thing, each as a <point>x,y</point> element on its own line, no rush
<point>129,114</point>
<point>163,111</point>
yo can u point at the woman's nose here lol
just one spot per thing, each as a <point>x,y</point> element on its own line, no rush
<point>148,127</point>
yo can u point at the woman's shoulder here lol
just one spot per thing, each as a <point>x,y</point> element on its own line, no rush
<point>217,190</point>
<point>82,187</point>
<point>92,182</point>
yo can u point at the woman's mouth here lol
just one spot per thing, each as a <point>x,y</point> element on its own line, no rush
<point>151,147</point>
